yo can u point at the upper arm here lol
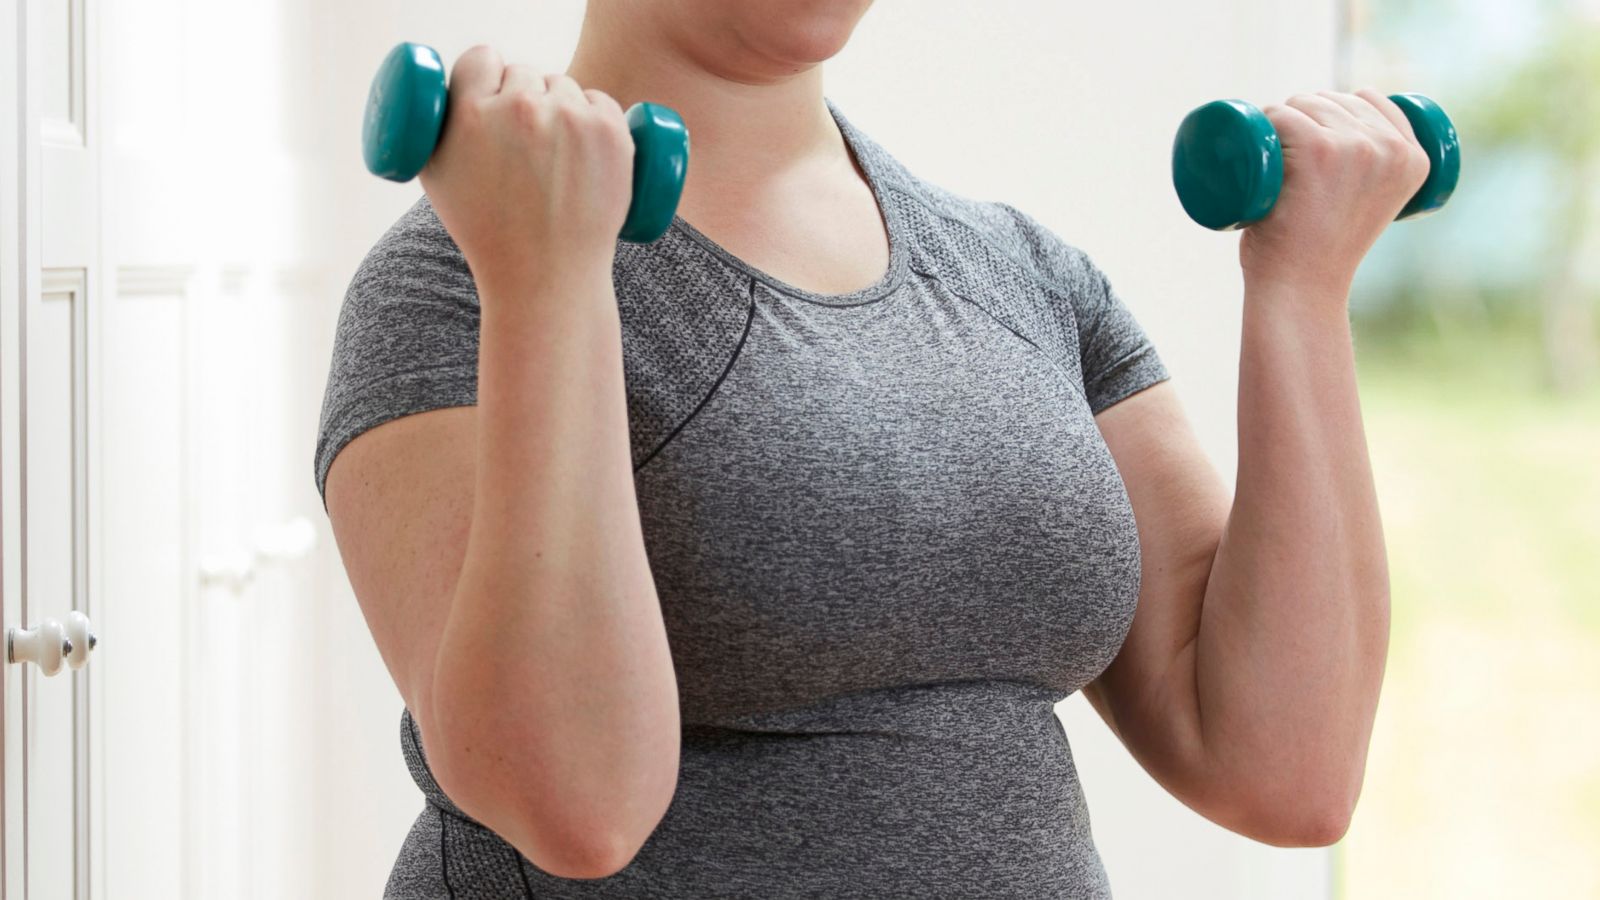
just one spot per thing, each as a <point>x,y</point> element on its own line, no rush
<point>400,501</point>
<point>1180,504</point>
<point>394,455</point>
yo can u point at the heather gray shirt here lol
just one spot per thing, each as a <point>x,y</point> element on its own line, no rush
<point>886,534</point>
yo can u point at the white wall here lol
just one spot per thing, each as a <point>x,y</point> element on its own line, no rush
<point>1066,110</point>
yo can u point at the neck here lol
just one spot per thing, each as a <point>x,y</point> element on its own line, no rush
<point>747,123</point>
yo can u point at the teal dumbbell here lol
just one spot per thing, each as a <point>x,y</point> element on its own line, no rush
<point>406,111</point>
<point>1227,162</point>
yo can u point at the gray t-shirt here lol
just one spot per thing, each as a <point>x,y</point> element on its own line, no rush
<point>886,534</point>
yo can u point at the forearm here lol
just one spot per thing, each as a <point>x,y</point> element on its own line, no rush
<point>553,689</point>
<point>1294,626</point>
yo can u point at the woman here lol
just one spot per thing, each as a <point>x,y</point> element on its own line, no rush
<point>752,562</point>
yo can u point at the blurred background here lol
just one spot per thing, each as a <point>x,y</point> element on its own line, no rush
<point>237,735</point>
<point>1477,342</point>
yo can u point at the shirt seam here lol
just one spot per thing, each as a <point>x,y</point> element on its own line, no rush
<point>1121,363</point>
<point>343,421</point>
<point>716,386</point>
<point>891,281</point>
<point>457,370</point>
<point>1028,270</point>
<point>1072,382</point>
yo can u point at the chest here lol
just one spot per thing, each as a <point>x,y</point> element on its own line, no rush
<point>900,492</point>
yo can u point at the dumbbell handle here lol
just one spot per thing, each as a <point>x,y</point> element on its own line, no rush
<point>1227,162</point>
<point>406,112</point>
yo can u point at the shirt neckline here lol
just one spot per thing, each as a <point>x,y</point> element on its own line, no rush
<point>871,167</point>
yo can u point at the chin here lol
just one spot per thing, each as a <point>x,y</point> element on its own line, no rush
<point>770,34</point>
<point>803,31</point>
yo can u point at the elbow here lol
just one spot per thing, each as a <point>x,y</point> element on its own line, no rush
<point>565,834</point>
<point>1286,809</point>
<point>599,844</point>
<point>582,827</point>
<point>1299,815</point>
<point>1309,826</point>
<point>591,852</point>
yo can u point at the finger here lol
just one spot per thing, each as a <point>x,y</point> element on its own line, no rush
<point>476,74</point>
<point>1294,127</point>
<point>521,79</point>
<point>559,85</point>
<point>1323,111</point>
<point>1391,111</point>
<point>602,100</point>
<point>1363,111</point>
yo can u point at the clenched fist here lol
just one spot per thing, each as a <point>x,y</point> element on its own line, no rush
<point>1351,163</point>
<point>531,170</point>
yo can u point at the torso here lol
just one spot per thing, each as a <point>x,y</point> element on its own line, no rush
<point>887,538</point>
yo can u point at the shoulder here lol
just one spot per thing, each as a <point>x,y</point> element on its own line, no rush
<point>944,222</point>
<point>1043,287</point>
<point>407,335</point>
<point>412,293</point>
<point>415,255</point>
<point>418,230</point>
<point>411,301</point>
<point>1016,236</point>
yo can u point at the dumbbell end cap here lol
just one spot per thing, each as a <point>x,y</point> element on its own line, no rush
<point>1227,165</point>
<point>405,112</point>
<point>660,163</point>
<point>1437,135</point>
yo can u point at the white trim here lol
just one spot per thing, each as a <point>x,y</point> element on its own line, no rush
<point>13,286</point>
<point>74,281</point>
<point>71,131</point>
<point>154,281</point>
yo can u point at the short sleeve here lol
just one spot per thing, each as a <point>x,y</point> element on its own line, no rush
<point>1117,357</point>
<point>407,336</point>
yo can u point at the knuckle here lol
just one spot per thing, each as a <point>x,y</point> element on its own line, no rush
<point>1395,145</point>
<point>1418,165</point>
<point>1321,145</point>
<point>525,108</point>
<point>621,140</point>
<point>471,111</point>
<point>524,100</point>
<point>477,53</point>
<point>1364,151</point>
<point>570,113</point>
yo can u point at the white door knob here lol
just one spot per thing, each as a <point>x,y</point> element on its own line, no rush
<point>280,544</point>
<point>45,644</point>
<point>80,639</point>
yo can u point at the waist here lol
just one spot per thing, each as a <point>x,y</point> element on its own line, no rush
<point>953,790</point>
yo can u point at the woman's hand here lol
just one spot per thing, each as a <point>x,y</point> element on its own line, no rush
<point>1351,163</point>
<point>531,170</point>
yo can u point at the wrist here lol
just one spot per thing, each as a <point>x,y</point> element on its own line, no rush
<point>1299,288</point>
<point>1290,314</point>
<point>542,273</point>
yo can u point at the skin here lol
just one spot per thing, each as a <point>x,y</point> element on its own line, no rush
<point>501,545</point>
